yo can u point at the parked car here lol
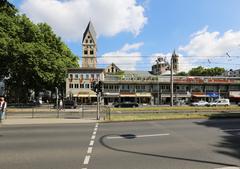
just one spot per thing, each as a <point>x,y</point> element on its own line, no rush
<point>238,103</point>
<point>200,103</point>
<point>69,104</point>
<point>126,104</point>
<point>220,102</point>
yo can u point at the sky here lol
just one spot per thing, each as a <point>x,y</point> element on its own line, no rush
<point>133,33</point>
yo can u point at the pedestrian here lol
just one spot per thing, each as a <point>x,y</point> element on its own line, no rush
<point>61,105</point>
<point>3,106</point>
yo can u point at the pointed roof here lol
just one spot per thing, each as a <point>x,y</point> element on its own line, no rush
<point>174,54</point>
<point>90,29</point>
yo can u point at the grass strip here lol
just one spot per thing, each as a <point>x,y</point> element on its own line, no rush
<point>170,116</point>
<point>190,108</point>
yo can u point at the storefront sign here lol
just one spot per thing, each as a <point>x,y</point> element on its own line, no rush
<point>235,94</point>
<point>212,94</point>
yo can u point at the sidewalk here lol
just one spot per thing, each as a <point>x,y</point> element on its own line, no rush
<point>45,121</point>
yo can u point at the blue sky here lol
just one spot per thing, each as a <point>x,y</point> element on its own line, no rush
<point>201,31</point>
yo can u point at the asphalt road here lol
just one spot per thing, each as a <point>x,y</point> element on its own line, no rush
<point>173,144</point>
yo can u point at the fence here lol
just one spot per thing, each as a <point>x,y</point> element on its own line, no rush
<point>49,111</point>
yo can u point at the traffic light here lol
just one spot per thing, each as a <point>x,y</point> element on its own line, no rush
<point>94,86</point>
<point>99,87</point>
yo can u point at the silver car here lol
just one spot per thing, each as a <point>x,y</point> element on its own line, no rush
<point>200,103</point>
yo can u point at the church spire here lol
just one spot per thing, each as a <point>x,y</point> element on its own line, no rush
<point>89,47</point>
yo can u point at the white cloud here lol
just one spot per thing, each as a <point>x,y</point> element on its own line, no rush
<point>69,18</point>
<point>209,49</point>
<point>125,58</point>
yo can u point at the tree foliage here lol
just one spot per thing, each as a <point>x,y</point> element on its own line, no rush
<point>32,57</point>
<point>201,71</point>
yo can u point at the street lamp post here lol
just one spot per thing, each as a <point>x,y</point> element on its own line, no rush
<point>171,80</point>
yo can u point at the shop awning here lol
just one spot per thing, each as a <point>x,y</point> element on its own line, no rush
<point>128,95</point>
<point>111,94</point>
<point>81,95</point>
<point>143,95</point>
<point>199,95</point>
<point>92,95</point>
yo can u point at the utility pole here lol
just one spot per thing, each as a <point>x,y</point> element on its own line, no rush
<point>56,89</point>
<point>98,106</point>
<point>171,80</point>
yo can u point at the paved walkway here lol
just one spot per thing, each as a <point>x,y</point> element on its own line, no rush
<point>45,121</point>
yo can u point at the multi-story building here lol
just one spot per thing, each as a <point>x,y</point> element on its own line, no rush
<point>79,83</point>
<point>232,73</point>
<point>144,87</point>
<point>162,66</point>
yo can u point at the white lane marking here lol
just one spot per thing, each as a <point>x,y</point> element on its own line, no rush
<point>86,160</point>
<point>229,130</point>
<point>228,168</point>
<point>139,136</point>
<point>91,142</point>
<point>89,151</point>
<point>90,148</point>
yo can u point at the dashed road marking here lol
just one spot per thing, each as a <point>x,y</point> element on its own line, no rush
<point>86,160</point>
<point>89,151</point>
<point>91,143</point>
<point>90,148</point>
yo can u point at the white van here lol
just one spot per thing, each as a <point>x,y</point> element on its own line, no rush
<point>220,102</point>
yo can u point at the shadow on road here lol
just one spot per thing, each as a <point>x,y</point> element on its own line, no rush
<point>102,142</point>
<point>230,143</point>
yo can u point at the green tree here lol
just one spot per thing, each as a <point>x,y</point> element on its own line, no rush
<point>201,71</point>
<point>182,74</point>
<point>32,57</point>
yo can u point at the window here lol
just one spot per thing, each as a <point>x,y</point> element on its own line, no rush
<point>70,86</point>
<point>91,52</point>
<point>76,86</point>
<point>90,41</point>
<point>87,76</point>
<point>81,86</point>
<point>86,41</point>
<point>71,76</point>
<point>85,52</point>
<point>87,86</point>
<point>76,76</point>
<point>89,37</point>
